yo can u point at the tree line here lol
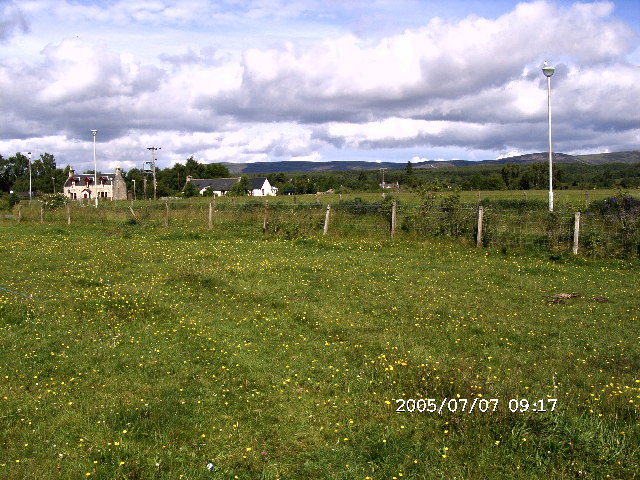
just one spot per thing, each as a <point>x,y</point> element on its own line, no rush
<point>46,177</point>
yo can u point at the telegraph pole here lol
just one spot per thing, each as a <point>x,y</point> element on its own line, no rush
<point>153,167</point>
<point>95,168</point>
<point>382,170</point>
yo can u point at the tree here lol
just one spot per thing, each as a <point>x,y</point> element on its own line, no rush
<point>14,173</point>
<point>190,190</point>
<point>409,168</point>
<point>216,170</point>
<point>193,168</point>
<point>510,174</point>
<point>240,188</point>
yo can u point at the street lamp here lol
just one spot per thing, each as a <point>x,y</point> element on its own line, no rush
<point>29,153</point>
<point>95,166</point>
<point>548,71</point>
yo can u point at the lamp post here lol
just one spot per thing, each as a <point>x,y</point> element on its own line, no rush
<point>548,71</point>
<point>95,166</point>
<point>153,166</point>
<point>134,188</point>
<point>30,194</point>
<point>53,182</point>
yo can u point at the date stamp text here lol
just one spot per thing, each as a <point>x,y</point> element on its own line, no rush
<point>471,405</point>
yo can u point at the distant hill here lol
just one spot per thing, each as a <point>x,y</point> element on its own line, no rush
<point>298,166</point>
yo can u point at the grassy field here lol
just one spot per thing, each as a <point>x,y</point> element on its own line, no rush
<point>133,352</point>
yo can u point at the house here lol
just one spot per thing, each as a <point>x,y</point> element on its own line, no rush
<point>219,186</point>
<point>259,186</point>
<point>110,186</point>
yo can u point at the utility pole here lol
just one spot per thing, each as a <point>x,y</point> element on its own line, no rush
<point>548,71</point>
<point>382,170</point>
<point>153,166</point>
<point>30,194</point>
<point>95,168</point>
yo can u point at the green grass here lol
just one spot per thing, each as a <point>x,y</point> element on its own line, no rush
<point>146,353</point>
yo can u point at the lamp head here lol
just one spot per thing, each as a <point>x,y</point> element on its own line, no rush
<point>93,132</point>
<point>547,70</point>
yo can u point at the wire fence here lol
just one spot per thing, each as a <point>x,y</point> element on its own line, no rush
<point>488,227</point>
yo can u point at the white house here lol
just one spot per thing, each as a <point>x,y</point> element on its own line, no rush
<point>259,186</point>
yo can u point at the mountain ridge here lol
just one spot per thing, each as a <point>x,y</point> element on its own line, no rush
<point>632,156</point>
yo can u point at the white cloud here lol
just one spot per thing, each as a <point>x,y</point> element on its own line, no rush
<point>176,74</point>
<point>12,19</point>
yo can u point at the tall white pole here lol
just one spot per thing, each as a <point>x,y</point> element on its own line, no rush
<point>95,167</point>
<point>550,148</point>
<point>30,194</point>
<point>548,71</point>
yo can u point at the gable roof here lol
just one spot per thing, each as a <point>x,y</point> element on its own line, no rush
<point>257,182</point>
<point>215,184</point>
<point>81,178</point>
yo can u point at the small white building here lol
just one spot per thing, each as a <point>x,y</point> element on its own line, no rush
<point>111,186</point>
<point>259,186</point>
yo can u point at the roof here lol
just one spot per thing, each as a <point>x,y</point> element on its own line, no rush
<point>257,182</point>
<point>225,184</point>
<point>81,178</point>
<point>215,184</point>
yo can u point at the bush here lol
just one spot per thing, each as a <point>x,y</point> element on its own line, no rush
<point>518,205</point>
<point>53,201</point>
<point>8,200</point>
<point>621,204</point>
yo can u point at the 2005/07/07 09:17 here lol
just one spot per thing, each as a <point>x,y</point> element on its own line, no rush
<point>465,405</point>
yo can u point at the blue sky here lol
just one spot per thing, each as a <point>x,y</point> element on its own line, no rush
<point>263,80</point>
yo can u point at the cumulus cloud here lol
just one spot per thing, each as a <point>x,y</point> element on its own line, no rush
<point>12,19</point>
<point>472,83</point>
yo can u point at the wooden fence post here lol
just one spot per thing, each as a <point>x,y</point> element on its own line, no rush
<point>68,214</point>
<point>265,218</point>
<point>210,215</point>
<point>134,215</point>
<point>41,213</point>
<point>576,233</point>
<point>19,213</point>
<point>326,220</point>
<point>166,214</point>
<point>394,207</point>
<point>480,218</point>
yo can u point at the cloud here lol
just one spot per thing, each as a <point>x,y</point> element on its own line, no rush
<point>471,83</point>
<point>11,19</point>
<point>432,72</point>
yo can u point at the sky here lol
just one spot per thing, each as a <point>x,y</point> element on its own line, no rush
<point>322,80</point>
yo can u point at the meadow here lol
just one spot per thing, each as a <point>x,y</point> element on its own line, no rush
<point>134,351</point>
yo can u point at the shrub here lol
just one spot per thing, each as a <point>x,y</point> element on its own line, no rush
<point>53,201</point>
<point>8,200</point>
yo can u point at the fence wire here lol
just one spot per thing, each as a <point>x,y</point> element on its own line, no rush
<point>501,228</point>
